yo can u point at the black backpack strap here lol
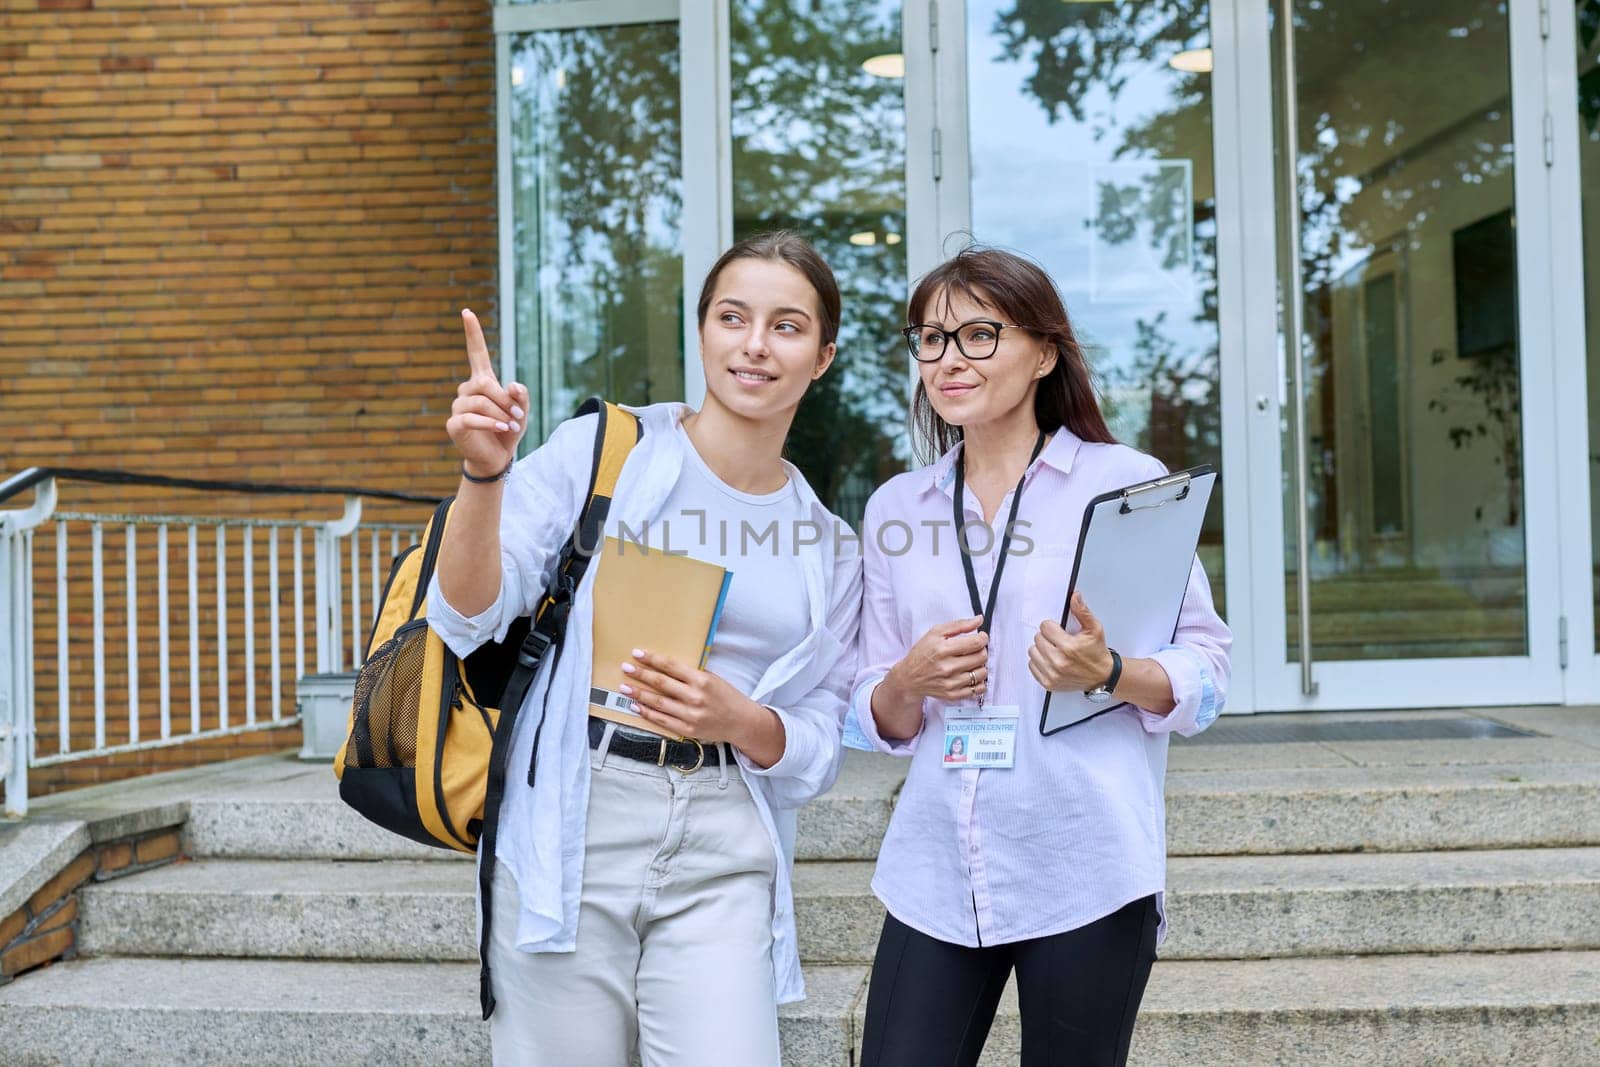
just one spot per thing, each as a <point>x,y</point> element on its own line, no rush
<point>618,431</point>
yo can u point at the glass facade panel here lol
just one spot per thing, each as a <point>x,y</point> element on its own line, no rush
<point>597,195</point>
<point>1408,269</point>
<point>819,139</point>
<point>1091,151</point>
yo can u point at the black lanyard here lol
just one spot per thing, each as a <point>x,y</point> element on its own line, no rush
<point>1005,543</point>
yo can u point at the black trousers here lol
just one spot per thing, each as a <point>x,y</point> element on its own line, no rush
<point>931,1003</point>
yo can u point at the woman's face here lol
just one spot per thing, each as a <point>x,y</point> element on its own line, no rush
<point>761,340</point>
<point>973,392</point>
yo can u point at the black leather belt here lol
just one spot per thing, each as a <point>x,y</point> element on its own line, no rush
<point>686,756</point>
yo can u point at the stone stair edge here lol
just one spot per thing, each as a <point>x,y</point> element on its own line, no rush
<point>824,870</point>
<point>1220,907</point>
<point>1178,987</point>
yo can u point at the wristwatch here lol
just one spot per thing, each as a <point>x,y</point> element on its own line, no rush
<point>1101,693</point>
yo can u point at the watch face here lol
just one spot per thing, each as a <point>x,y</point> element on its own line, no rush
<point>1098,696</point>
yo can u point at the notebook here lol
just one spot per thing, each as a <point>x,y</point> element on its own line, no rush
<point>646,598</point>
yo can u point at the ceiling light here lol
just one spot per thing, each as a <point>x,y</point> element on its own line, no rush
<point>516,75</point>
<point>891,238</point>
<point>864,239</point>
<point>889,65</point>
<point>1194,61</point>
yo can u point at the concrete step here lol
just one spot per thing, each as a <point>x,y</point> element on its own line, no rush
<point>1287,906</point>
<point>1218,907</point>
<point>1379,806</point>
<point>401,910</point>
<point>1221,800</point>
<point>294,1012</point>
<point>1469,1009</point>
<point>1462,1010</point>
<point>405,910</point>
<point>298,815</point>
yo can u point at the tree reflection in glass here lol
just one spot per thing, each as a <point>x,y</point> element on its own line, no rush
<point>819,147</point>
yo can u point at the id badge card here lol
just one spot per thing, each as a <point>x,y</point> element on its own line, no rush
<point>981,737</point>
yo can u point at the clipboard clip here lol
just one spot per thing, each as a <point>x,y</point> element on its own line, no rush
<point>1171,481</point>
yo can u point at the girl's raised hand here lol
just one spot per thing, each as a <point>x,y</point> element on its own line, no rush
<point>486,419</point>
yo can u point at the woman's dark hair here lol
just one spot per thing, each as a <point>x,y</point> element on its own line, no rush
<point>782,246</point>
<point>1020,292</point>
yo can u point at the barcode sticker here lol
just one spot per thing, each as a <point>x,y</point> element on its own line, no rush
<point>611,701</point>
<point>990,755</point>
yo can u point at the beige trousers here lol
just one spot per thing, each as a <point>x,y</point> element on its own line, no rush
<point>674,950</point>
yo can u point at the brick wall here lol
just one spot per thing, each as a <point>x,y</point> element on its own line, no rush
<point>233,241</point>
<point>45,928</point>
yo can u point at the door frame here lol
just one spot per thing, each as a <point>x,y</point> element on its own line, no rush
<point>1426,682</point>
<point>1569,342</point>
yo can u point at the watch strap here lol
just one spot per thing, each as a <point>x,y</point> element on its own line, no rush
<point>1109,686</point>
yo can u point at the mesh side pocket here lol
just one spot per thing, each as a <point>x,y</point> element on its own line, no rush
<point>388,693</point>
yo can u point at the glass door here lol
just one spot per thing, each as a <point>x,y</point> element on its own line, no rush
<point>1403,407</point>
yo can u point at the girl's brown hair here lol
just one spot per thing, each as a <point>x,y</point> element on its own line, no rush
<point>1020,292</point>
<point>782,246</point>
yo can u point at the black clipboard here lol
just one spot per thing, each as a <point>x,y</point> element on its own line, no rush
<point>1136,550</point>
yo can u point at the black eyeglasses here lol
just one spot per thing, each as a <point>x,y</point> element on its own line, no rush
<point>975,339</point>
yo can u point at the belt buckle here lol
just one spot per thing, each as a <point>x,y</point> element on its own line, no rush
<point>700,756</point>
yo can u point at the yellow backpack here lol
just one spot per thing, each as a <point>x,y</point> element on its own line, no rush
<point>430,732</point>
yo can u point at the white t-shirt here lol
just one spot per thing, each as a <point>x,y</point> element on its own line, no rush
<point>753,536</point>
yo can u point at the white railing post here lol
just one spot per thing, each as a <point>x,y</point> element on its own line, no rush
<point>330,596</point>
<point>16,645</point>
<point>13,758</point>
<point>323,597</point>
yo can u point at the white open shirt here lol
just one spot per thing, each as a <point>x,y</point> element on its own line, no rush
<point>541,834</point>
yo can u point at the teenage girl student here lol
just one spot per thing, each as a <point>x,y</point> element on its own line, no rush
<point>1052,866</point>
<point>641,899</point>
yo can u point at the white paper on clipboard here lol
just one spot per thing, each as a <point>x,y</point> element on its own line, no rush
<point>1135,553</point>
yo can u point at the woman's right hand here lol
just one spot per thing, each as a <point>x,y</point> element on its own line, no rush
<point>487,419</point>
<point>949,663</point>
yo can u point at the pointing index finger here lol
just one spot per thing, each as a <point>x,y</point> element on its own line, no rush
<point>477,350</point>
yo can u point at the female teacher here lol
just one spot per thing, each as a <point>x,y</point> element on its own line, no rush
<point>1047,856</point>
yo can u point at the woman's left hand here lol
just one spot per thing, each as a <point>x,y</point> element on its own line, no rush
<point>1063,662</point>
<point>689,702</point>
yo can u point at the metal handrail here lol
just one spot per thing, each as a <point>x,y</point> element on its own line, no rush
<point>20,483</point>
<point>117,632</point>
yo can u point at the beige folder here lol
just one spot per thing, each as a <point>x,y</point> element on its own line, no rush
<point>646,598</point>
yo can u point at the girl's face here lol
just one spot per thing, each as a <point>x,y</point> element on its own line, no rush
<point>970,392</point>
<point>761,341</point>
